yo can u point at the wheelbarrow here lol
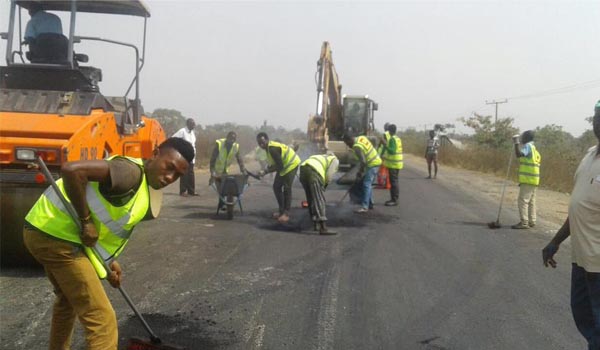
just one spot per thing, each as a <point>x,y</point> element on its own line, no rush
<point>230,189</point>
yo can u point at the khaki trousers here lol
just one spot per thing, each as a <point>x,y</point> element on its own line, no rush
<point>526,203</point>
<point>79,293</point>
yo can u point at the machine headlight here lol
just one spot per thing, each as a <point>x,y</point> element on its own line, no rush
<point>28,154</point>
<point>25,154</point>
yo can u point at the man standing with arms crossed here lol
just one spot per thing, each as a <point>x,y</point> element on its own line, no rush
<point>111,197</point>
<point>529,179</point>
<point>393,160</point>
<point>187,183</point>
<point>583,225</point>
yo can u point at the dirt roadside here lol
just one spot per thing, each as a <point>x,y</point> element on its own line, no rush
<point>552,207</point>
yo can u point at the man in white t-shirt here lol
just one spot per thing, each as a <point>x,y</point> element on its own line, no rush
<point>187,183</point>
<point>583,225</point>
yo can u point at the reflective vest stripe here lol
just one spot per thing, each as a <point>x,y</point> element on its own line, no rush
<point>396,160</point>
<point>289,158</point>
<point>371,157</point>
<point>320,163</point>
<point>225,159</point>
<point>529,168</point>
<point>96,206</point>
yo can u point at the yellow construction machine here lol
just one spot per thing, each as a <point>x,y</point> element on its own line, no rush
<point>338,114</point>
<point>51,106</point>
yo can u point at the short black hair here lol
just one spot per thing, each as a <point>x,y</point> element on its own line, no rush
<point>348,137</point>
<point>180,145</point>
<point>527,136</point>
<point>392,129</point>
<point>262,134</point>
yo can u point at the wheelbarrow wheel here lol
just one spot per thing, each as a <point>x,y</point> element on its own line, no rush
<point>230,206</point>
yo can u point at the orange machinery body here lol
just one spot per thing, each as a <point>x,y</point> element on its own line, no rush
<point>58,139</point>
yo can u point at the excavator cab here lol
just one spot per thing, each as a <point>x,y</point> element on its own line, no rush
<point>51,106</point>
<point>357,114</point>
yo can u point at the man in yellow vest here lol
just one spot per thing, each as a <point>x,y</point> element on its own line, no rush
<point>529,178</point>
<point>285,161</point>
<point>111,197</point>
<point>393,160</point>
<point>222,157</point>
<point>369,162</point>
<point>315,174</point>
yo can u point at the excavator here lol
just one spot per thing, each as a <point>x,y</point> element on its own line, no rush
<point>51,107</point>
<point>337,114</point>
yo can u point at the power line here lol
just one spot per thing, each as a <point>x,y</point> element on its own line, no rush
<point>591,84</point>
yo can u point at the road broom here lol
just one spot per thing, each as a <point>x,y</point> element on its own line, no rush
<point>496,224</point>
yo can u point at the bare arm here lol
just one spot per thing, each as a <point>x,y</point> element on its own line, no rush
<point>76,176</point>
<point>552,247</point>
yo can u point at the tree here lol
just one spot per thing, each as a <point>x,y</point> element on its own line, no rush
<point>170,119</point>
<point>553,136</point>
<point>489,133</point>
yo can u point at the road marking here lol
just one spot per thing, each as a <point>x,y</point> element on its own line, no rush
<point>258,340</point>
<point>328,309</point>
<point>252,324</point>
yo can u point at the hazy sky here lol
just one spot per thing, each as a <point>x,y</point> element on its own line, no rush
<point>423,62</point>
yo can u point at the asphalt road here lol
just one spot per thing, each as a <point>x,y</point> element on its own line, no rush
<point>427,274</point>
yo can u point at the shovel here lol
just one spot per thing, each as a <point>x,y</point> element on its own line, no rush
<point>134,343</point>
<point>496,224</point>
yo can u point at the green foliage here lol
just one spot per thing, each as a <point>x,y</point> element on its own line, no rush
<point>485,151</point>
<point>170,119</point>
<point>489,133</point>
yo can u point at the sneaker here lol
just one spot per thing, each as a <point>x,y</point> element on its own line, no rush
<point>361,210</point>
<point>532,224</point>
<point>520,226</point>
<point>391,203</point>
<point>283,218</point>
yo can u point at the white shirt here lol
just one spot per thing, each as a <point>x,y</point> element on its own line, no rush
<point>189,136</point>
<point>584,213</point>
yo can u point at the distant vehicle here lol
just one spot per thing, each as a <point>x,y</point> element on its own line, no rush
<point>53,107</point>
<point>337,114</point>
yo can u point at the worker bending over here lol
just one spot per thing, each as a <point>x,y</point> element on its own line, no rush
<point>393,160</point>
<point>369,165</point>
<point>285,161</point>
<point>315,174</point>
<point>111,197</point>
<point>222,157</point>
<point>529,178</point>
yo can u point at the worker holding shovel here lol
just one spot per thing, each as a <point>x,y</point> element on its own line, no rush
<point>110,197</point>
<point>315,174</point>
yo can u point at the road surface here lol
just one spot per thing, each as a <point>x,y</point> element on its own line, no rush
<point>427,274</point>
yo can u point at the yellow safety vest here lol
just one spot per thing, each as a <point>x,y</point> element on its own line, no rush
<point>289,158</point>
<point>386,137</point>
<point>225,158</point>
<point>321,164</point>
<point>529,168</point>
<point>114,224</point>
<point>366,147</point>
<point>396,160</point>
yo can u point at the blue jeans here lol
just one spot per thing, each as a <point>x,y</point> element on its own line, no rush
<point>367,184</point>
<point>585,304</point>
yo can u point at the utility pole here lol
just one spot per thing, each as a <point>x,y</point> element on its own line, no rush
<point>496,103</point>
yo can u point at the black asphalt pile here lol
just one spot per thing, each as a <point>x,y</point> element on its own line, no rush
<point>184,330</point>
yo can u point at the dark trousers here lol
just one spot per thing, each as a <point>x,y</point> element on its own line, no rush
<point>394,190</point>
<point>187,182</point>
<point>315,193</point>
<point>585,304</point>
<point>282,186</point>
